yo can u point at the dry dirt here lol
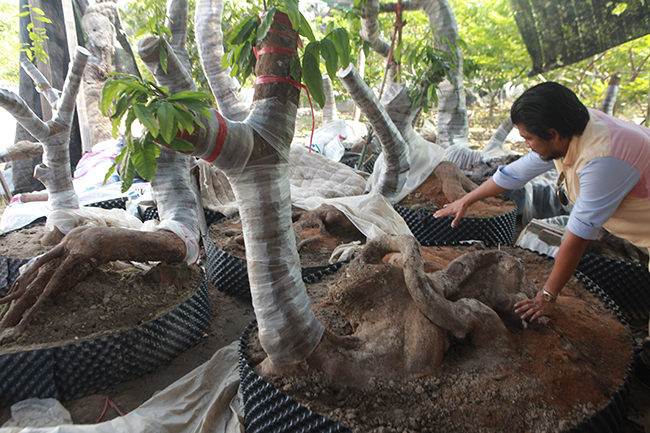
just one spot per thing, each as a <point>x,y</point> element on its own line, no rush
<point>429,196</point>
<point>550,381</point>
<point>469,384</point>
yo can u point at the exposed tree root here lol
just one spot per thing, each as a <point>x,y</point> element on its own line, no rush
<point>402,317</point>
<point>81,251</point>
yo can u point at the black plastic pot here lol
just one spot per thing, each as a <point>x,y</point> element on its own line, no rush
<point>269,410</point>
<point>627,284</point>
<point>82,368</point>
<point>431,231</point>
<point>229,274</point>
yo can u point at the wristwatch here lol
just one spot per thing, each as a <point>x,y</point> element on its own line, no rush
<point>547,296</point>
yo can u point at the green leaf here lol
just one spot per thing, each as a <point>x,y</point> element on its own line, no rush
<point>313,79</point>
<point>162,53</point>
<point>305,29</point>
<point>144,158</point>
<point>134,85</point>
<point>198,107</point>
<point>130,118</point>
<point>184,118</point>
<point>293,12</point>
<point>181,145</point>
<point>243,31</point>
<point>146,117</point>
<point>294,69</point>
<point>117,160</point>
<point>38,11</point>
<point>328,51</point>
<point>314,49</point>
<point>43,20</point>
<point>120,107</point>
<point>190,95</point>
<point>265,25</point>
<point>166,120</point>
<point>127,173</point>
<point>109,91</point>
<point>341,41</point>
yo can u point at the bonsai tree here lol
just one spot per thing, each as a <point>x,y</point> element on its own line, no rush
<point>253,154</point>
<point>54,135</point>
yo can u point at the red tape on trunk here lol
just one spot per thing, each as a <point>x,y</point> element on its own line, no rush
<point>221,138</point>
<point>262,79</point>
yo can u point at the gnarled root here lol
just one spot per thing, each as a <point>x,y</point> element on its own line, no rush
<point>454,183</point>
<point>401,317</point>
<point>81,251</point>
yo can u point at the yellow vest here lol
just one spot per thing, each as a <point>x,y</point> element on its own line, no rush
<point>631,220</point>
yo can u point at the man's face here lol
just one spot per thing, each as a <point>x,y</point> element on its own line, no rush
<point>548,150</point>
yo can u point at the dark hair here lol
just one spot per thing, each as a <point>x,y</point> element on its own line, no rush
<point>550,106</point>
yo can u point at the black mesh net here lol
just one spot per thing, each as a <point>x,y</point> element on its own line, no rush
<point>561,32</point>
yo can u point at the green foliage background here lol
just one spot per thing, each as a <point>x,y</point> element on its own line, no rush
<point>9,42</point>
<point>493,50</point>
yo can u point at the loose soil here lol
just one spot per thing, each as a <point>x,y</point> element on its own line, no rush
<point>429,196</point>
<point>316,248</point>
<point>547,378</point>
<point>551,381</point>
<point>109,300</point>
<point>124,298</point>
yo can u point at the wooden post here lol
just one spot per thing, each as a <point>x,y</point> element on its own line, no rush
<point>82,115</point>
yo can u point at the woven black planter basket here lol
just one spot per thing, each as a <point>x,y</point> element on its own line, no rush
<point>431,231</point>
<point>82,368</point>
<point>269,410</point>
<point>627,284</point>
<point>229,274</point>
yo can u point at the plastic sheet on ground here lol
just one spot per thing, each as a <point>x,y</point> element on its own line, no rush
<point>311,174</point>
<point>333,138</point>
<point>424,157</point>
<point>206,400</point>
<point>372,214</point>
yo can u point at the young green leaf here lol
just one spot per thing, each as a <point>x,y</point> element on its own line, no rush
<point>162,53</point>
<point>341,41</point>
<point>294,69</point>
<point>109,91</point>
<point>190,95</point>
<point>167,121</point>
<point>146,117</point>
<point>184,117</point>
<point>113,166</point>
<point>144,158</point>
<point>265,25</point>
<point>314,49</point>
<point>181,145</point>
<point>127,173</point>
<point>328,51</point>
<point>305,29</point>
<point>293,12</point>
<point>313,79</point>
<point>243,31</point>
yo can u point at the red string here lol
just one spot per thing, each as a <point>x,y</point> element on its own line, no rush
<point>398,26</point>
<point>108,402</point>
<point>295,38</point>
<point>276,50</point>
<point>262,79</point>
